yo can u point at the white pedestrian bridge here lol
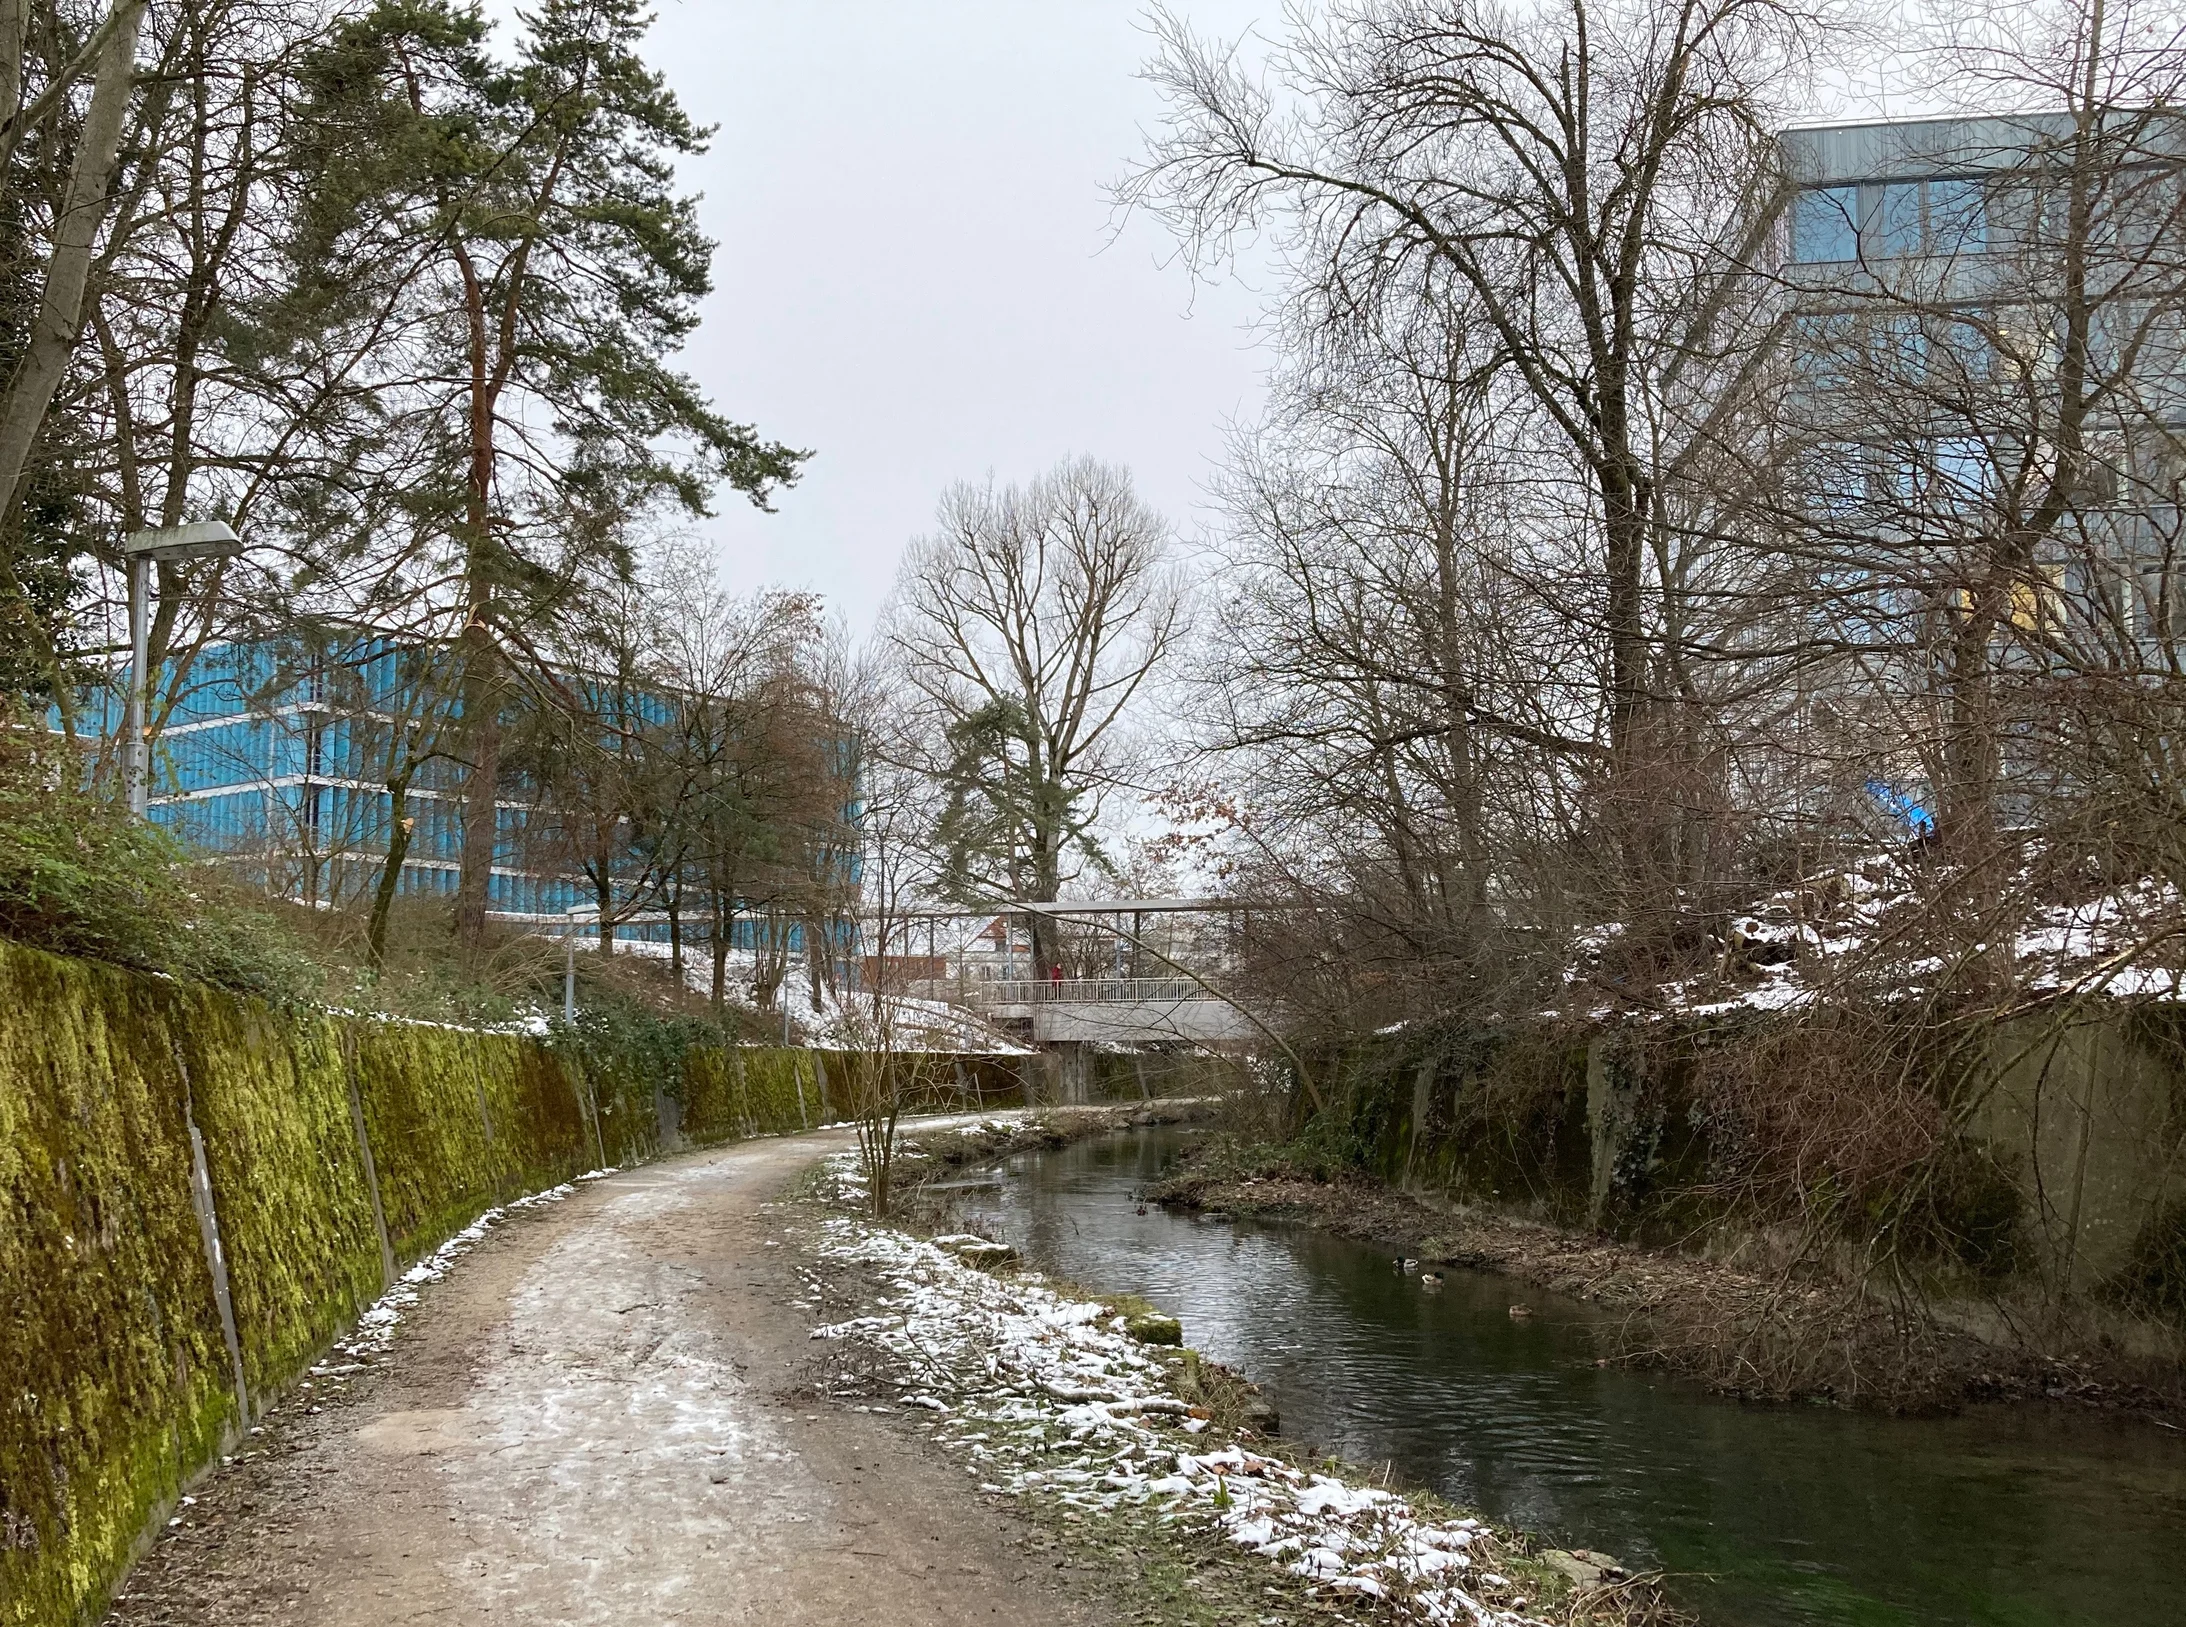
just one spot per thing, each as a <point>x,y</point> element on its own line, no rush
<point>1113,1010</point>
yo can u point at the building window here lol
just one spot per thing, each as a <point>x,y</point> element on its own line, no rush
<point>1836,480</point>
<point>1958,217</point>
<point>1895,228</point>
<point>1900,219</point>
<point>1824,224</point>
<point>1964,472</point>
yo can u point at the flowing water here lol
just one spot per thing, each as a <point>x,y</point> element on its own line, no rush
<point>1764,1516</point>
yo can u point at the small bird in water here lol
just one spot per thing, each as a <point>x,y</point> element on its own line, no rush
<point>1430,1279</point>
<point>1142,1208</point>
<point>1402,1264</point>
<point>1520,1313</point>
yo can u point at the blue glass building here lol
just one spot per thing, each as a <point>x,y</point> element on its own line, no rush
<point>281,758</point>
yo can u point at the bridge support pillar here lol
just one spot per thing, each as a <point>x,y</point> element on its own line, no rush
<point>1070,1072</point>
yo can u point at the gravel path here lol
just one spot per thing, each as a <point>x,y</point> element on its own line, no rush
<point>598,1418</point>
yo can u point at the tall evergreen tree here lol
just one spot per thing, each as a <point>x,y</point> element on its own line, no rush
<point>511,235</point>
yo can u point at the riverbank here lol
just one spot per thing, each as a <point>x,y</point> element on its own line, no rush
<point>1145,1460</point>
<point>928,1157</point>
<point>1793,1332</point>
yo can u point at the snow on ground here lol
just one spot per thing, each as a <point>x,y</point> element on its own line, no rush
<point>844,1020</point>
<point>375,1329</point>
<point>1872,922</point>
<point>1043,1395</point>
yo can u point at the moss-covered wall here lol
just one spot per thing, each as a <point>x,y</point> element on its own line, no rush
<point>116,1382</point>
<point>761,1090</point>
<point>2055,1143</point>
<point>114,1376</point>
<point>459,1121</point>
<point>116,1379</point>
<point>270,1097</point>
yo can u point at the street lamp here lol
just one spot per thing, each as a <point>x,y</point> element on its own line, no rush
<point>174,544</point>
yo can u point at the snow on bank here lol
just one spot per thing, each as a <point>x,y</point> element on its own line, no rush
<point>1877,924</point>
<point>1047,1395</point>
<point>375,1329</point>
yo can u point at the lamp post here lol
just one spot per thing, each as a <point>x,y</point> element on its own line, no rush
<point>202,539</point>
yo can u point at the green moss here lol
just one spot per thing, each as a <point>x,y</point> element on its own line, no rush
<point>428,1118</point>
<point>271,1098</point>
<point>731,1092</point>
<point>118,1383</point>
<point>117,1376</point>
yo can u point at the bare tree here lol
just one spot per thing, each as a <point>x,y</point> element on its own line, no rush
<point>1386,686</point>
<point>1026,625</point>
<point>1590,181</point>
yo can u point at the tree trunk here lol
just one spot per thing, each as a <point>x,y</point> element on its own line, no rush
<point>481,793</point>
<point>481,671</point>
<point>398,849</point>
<point>724,928</point>
<point>819,973</point>
<point>14,30</point>
<point>68,270</point>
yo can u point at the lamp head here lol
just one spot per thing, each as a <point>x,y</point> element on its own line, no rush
<point>200,539</point>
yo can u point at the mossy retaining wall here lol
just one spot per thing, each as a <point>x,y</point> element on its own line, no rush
<point>2060,1154</point>
<point>750,1091</point>
<point>198,1192</point>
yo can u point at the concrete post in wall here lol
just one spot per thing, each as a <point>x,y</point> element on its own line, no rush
<point>668,1117</point>
<point>364,1152</point>
<point>1069,1070</point>
<point>1422,1099</point>
<point>216,1257</point>
<point>1613,1088</point>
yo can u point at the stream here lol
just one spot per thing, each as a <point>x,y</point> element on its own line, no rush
<point>2005,1517</point>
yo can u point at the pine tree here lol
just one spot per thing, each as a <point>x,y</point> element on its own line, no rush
<point>511,237</point>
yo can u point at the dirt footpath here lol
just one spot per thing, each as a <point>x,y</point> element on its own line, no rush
<point>596,1418</point>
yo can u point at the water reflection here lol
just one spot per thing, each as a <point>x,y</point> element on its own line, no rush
<point>1773,1515</point>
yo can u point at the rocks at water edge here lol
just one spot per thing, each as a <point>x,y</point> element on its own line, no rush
<point>973,1250</point>
<point>1583,1566</point>
<point>1153,1328</point>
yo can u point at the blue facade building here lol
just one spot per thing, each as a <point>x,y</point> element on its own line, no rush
<point>281,757</point>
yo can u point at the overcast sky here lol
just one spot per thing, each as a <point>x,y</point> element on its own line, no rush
<point>915,277</point>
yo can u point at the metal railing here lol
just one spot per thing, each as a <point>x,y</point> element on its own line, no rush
<point>1080,991</point>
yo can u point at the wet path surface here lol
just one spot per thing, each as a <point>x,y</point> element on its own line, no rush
<point>1775,1517</point>
<point>598,1418</point>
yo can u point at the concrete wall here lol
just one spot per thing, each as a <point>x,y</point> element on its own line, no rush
<point>2089,1113</point>
<point>2066,1141</point>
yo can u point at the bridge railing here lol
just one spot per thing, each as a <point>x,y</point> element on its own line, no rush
<point>1080,991</point>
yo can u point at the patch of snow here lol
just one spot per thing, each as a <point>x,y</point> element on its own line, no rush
<point>375,1329</point>
<point>1045,1396</point>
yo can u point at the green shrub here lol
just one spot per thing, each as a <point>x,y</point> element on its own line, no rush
<point>80,875</point>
